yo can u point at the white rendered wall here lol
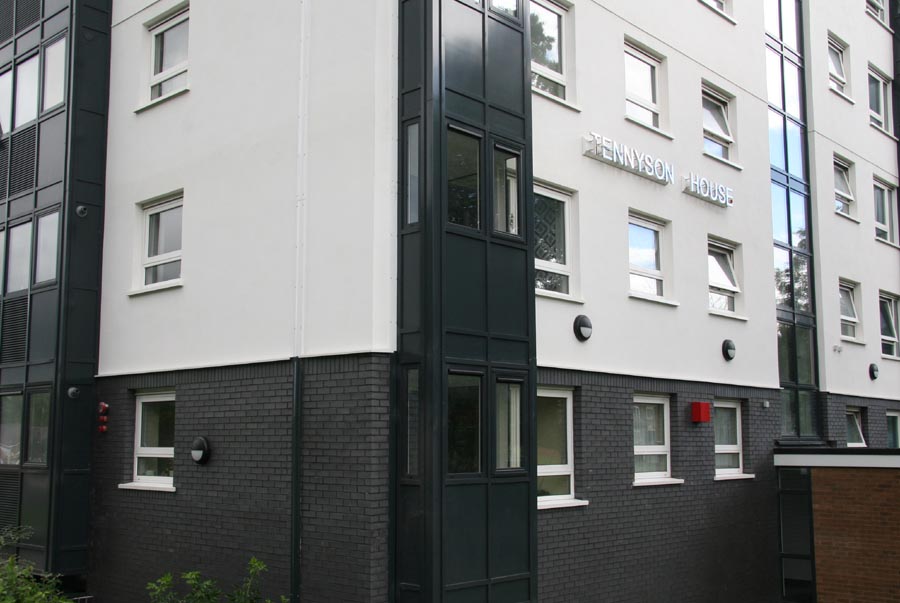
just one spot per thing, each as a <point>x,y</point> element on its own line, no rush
<point>285,149</point>
<point>847,248</point>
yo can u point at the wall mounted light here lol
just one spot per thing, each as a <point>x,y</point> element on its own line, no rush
<point>200,450</point>
<point>583,327</point>
<point>873,371</point>
<point>729,351</point>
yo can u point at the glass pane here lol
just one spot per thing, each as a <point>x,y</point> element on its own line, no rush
<point>786,353</point>
<point>2,256</point>
<point>552,431</point>
<point>715,148</point>
<point>649,424</point>
<point>549,229</point>
<point>773,78</point>
<point>38,427</point>
<point>173,84</point>
<point>893,432</point>
<point>795,146</point>
<point>646,284</point>
<point>412,422</point>
<point>835,62</point>
<point>721,301</point>
<point>773,19</point>
<point>26,91</point>
<point>643,247</point>
<point>847,307</point>
<point>162,272</point>
<point>464,424</point>
<point>164,232</point>
<point>854,429</point>
<point>799,232</point>
<point>729,460</point>
<point>886,310</point>
<point>874,94</point>
<point>792,88</point>
<point>554,485</point>
<point>842,181</point>
<point>547,85</point>
<point>54,74</point>
<point>780,214</point>
<point>509,429</point>
<point>798,585</point>
<point>47,246</point>
<point>789,24</point>
<point>726,422</point>
<point>805,356</point>
<point>171,47</point>
<point>506,192</point>
<point>412,174</point>
<point>806,413</point>
<point>715,118</point>
<point>647,463</point>
<point>546,29</point>
<point>794,479</point>
<point>720,271</point>
<point>10,429</point>
<point>776,139</point>
<point>551,281</point>
<point>782,278</point>
<point>641,114</point>
<point>802,290</point>
<point>158,424</point>
<point>881,212</point>
<point>19,267</point>
<point>508,7</point>
<point>6,81</point>
<point>156,467</point>
<point>640,78</point>
<point>463,179</point>
<point>790,423</point>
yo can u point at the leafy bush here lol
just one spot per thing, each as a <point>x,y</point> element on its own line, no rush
<point>206,591</point>
<point>18,584</point>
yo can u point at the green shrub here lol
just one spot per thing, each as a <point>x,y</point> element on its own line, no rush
<point>18,584</point>
<point>206,591</point>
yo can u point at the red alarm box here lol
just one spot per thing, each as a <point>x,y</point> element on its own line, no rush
<point>700,412</point>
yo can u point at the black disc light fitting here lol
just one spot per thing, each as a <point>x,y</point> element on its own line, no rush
<point>873,371</point>
<point>200,450</point>
<point>729,351</point>
<point>582,327</point>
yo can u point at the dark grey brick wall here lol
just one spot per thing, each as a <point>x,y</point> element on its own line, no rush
<point>704,541</point>
<point>874,418</point>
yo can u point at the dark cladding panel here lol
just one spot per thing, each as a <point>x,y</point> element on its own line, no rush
<point>505,85</point>
<point>9,500</point>
<point>464,107</point>
<point>509,529</point>
<point>411,285</point>
<point>464,289</point>
<point>77,417</point>
<point>52,150</point>
<point>509,291</point>
<point>82,332</point>
<point>52,6</point>
<point>465,544</point>
<point>409,531</point>
<point>510,592</point>
<point>36,506</point>
<point>13,334</point>
<point>21,169</point>
<point>90,141</point>
<point>42,335</point>
<point>475,594</point>
<point>463,45</point>
<point>413,48</point>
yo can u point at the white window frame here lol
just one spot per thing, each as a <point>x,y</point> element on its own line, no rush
<point>843,200</point>
<point>851,323</point>
<point>886,339</point>
<point>561,9</point>
<point>568,468</point>
<point>566,269</point>
<point>716,246</point>
<point>882,121</point>
<point>180,16</point>
<point>856,414</point>
<point>886,231</point>
<point>837,78</point>
<point>877,9</point>
<point>651,105</point>
<point>717,5</point>
<point>148,262</point>
<point>894,415</point>
<point>150,452</point>
<point>658,275</point>
<point>730,448</point>
<point>727,141</point>
<point>654,476</point>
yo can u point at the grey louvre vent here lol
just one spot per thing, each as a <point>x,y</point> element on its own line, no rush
<point>28,12</point>
<point>13,331</point>
<point>21,168</point>
<point>4,168</point>
<point>9,500</point>
<point>6,20</point>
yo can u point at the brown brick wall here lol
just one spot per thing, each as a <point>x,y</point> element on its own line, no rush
<point>856,526</point>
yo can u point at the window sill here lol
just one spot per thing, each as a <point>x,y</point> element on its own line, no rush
<point>560,296</point>
<point>725,314</point>
<point>654,129</point>
<point>730,164</point>
<point>846,217</point>
<point>893,358</point>
<point>561,504</point>
<point>661,481</point>
<point>143,486</point>
<point>556,99</point>
<point>852,340</point>
<point>888,243</point>
<point>173,284</point>
<point>161,99</point>
<point>733,476</point>
<point>884,132</point>
<point>842,95</point>
<point>725,16</point>
<point>884,25</point>
<point>654,299</point>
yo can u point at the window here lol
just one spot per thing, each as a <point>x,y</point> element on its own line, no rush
<point>6,93</point>
<point>855,437</point>
<point>506,7</point>
<point>154,439</point>
<point>885,212</point>
<point>556,465</point>
<point>849,316</point>
<point>18,267</point>
<point>21,82</point>
<point>641,86</point>
<point>876,8</point>
<point>552,259</point>
<point>47,247</point>
<point>463,179</point>
<point>879,100</point>
<point>506,191</point>
<point>11,428</point>
<point>887,307</point>
<point>548,68</point>
<point>646,275</point>
<point>54,88</point>
<point>464,424</point>
<point>508,403</point>
<point>717,138</point>
<point>843,195</point>
<point>723,284</point>
<point>37,443</point>
<point>729,446</point>
<point>893,429</point>
<point>26,94</point>
<point>170,56</point>
<point>651,438</point>
<point>162,246</point>
<point>837,76</point>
